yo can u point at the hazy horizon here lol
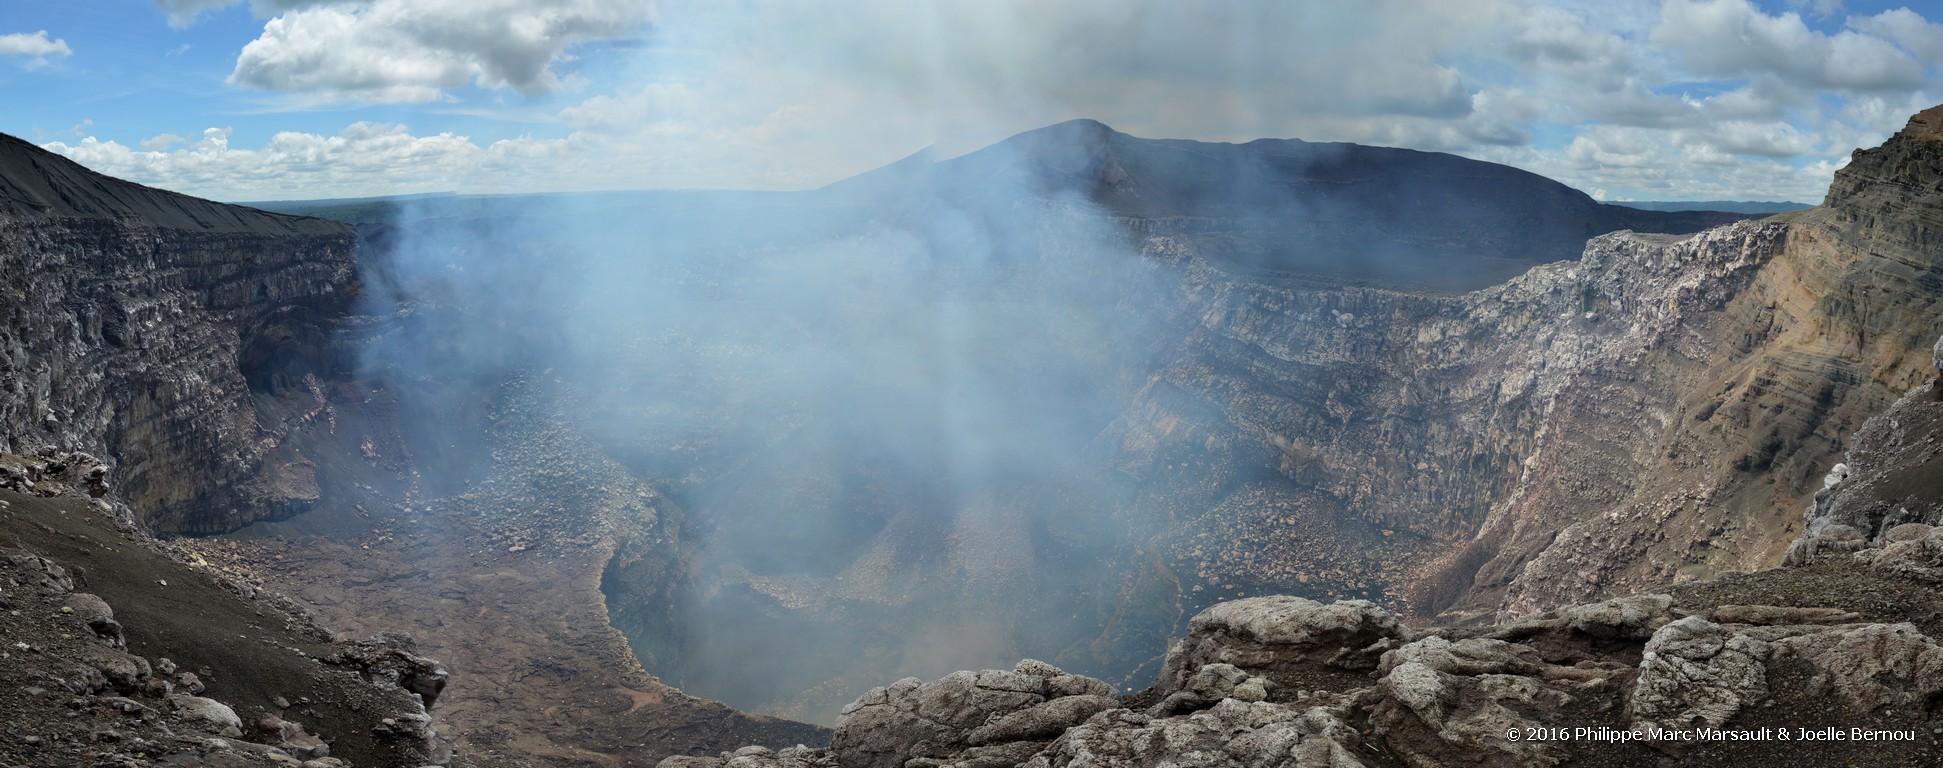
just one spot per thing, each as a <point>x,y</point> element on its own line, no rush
<point>316,99</point>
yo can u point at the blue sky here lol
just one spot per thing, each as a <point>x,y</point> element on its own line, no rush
<point>270,99</point>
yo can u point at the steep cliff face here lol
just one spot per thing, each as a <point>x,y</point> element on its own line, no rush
<point>1887,481</point>
<point>1655,411</point>
<point>1833,325</point>
<point>181,339</point>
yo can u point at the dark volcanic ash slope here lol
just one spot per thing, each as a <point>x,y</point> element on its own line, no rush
<point>43,184</point>
<point>150,327</point>
<point>121,651</point>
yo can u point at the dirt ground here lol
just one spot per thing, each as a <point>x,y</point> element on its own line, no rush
<point>256,654</point>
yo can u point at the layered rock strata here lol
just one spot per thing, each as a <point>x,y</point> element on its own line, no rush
<point>148,327</point>
<point>1655,411</point>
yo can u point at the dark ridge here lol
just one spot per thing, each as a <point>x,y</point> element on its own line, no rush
<point>38,183</point>
<point>1337,211</point>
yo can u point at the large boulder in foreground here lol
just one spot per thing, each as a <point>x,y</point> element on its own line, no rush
<point>1290,641</point>
<point>913,719</point>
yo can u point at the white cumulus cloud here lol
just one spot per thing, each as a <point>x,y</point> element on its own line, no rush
<point>418,50</point>
<point>1733,38</point>
<point>36,45</point>
<point>305,165</point>
<point>1776,139</point>
<point>1921,37</point>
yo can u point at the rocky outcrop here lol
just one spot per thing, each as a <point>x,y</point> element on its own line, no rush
<point>1437,699</point>
<point>1731,665</point>
<point>155,330</point>
<point>1645,678</point>
<point>1884,493</point>
<point>1883,506</point>
<point>388,660</point>
<point>52,473</point>
<point>1231,734</point>
<point>933,723</point>
<point>1246,648</point>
